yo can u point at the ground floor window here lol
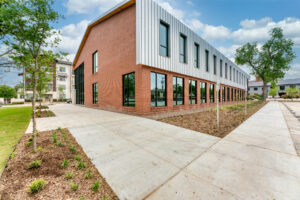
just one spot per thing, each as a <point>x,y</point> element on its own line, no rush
<point>129,90</point>
<point>79,84</point>
<point>203,92</point>
<point>223,94</point>
<point>228,94</point>
<point>212,93</point>
<point>95,93</point>
<point>158,89</point>
<point>193,91</point>
<point>178,91</point>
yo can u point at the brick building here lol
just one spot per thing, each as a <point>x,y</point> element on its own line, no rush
<point>139,58</point>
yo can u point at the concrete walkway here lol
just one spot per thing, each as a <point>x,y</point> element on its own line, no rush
<point>145,159</point>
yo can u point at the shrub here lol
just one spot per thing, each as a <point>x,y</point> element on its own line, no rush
<point>81,198</point>
<point>39,149</point>
<point>80,165</point>
<point>88,174</point>
<point>60,144</point>
<point>42,107</point>
<point>34,164</point>
<point>38,113</point>
<point>54,137</point>
<point>72,148</point>
<point>105,198</point>
<point>68,175</point>
<point>16,103</point>
<point>95,187</point>
<point>77,157</point>
<point>65,163</point>
<point>29,143</point>
<point>74,186</point>
<point>37,186</point>
<point>12,156</point>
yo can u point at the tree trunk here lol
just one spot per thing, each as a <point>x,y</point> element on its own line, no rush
<point>33,108</point>
<point>265,87</point>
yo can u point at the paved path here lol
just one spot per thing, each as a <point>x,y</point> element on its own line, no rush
<point>145,159</point>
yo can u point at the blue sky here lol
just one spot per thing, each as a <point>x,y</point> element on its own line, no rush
<point>226,24</point>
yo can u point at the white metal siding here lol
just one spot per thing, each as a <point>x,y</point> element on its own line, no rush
<point>149,14</point>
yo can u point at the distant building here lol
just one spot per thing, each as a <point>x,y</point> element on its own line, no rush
<point>256,87</point>
<point>61,85</point>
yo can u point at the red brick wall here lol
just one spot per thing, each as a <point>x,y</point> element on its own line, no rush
<point>115,41</point>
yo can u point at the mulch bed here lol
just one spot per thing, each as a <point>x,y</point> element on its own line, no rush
<point>16,177</point>
<point>44,113</point>
<point>206,122</point>
<point>42,107</point>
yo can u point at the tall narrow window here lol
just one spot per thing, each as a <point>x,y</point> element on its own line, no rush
<point>182,48</point>
<point>158,89</point>
<point>193,91</point>
<point>215,64</point>
<point>95,93</point>
<point>203,92</point>
<point>196,52</point>
<point>231,94</point>
<point>164,39</point>
<point>95,62</point>
<point>226,70</point>
<point>230,74</point>
<point>233,75</point>
<point>178,91</point>
<point>223,94</point>
<point>221,68</point>
<point>212,93</point>
<point>236,77</point>
<point>129,90</point>
<point>207,60</point>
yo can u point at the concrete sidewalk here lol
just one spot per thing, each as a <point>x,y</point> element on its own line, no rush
<point>256,161</point>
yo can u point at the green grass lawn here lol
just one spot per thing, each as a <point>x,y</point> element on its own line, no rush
<point>13,123</point>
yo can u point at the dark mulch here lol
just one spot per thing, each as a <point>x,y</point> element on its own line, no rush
<point>42,107</point>
<point>16,177</point>
<point>206,122</point>
<point>44,113</point>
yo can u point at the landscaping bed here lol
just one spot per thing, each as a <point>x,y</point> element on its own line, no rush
<point>42,107</point>
<point>44,113</point>
<point>61,167</point>
<point>231,116</point>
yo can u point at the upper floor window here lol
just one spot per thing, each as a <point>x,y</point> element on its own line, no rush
<point>230,74</point>
<point>215,64</point>
<point>233,74</point>
<point>282,87</point>
<point>158,89</point>
<point>129,90</point>
<point>62,69</point>
<point>207,60</point>
<point>221,68</point>
<point>226,70</point>
<point>255,89</point>
<point>178,91</point>
<point>196,51</point>
<point>193,91</point>
<point>95,62</point>
<point>62,78</point>
<point>182,48</point>
<point>164,39</point>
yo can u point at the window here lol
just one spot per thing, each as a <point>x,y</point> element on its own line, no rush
<point>206,60</point>
<point>62,69</point>
<point>62,78</point>
<point>223,94</point>
<point>234,75</point>
<point>95,93</point>
<point>182,48</point>
<point>129,90</point>
<point>193,91</point>
<point>236,78</point>
<point>255,89</point>
<point>228,94</point>
<point>203,92</point>
<point>95,62</point>
<point>62,87</point>
<point>158,89</point>
<point>215,64</point>
<point>231,94</point>
<point>196,60</point>
<point>79,84</point>
<point>292,86</point>
<point>226,70</point>
<point>230,75</point>
<point>178,91</point>
<point>221,68</point>
<point>164,39</point>
<point>282,87</point>
<point>212,93</point>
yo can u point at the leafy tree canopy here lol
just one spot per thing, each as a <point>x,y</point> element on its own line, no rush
<point>7,92</point>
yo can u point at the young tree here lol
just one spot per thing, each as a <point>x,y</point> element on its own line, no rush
<point>61,93</point>
<point>7,92</point>
<point>32,34</point>
<point>274,89</point>
<point>271,61</point>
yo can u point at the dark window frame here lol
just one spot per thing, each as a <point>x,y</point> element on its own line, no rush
<point>95,68</point>
<point>215,64</point>
<point>184,55</point>
<point>156,90</point>
<point>177,99</point>
<point>207,60</point>
<point>230,74</point>
<point>226,71</point>
<point>95,93</point>
<point>203,92</point>
<point>167,35</point>
<point>212,93</point>
<point>223,94</point>
<point>197,56</point>
<point>126,98</point>
<point>191,96</point>
<point>221,67</point>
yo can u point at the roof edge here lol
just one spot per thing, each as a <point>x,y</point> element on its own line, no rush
<point>106,15</point>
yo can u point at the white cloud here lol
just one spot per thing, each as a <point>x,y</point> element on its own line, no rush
<point>294,72</point>
<point>86,6</point>
<point>190,3</point>
<point>196,14</point>
<point>167,6</point>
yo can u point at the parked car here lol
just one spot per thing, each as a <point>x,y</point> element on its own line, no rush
<point>69,101</point>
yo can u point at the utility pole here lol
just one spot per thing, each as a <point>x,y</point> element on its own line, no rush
<point>218,89</point>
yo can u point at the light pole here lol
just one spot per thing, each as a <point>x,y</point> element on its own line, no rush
<point>218,88</point>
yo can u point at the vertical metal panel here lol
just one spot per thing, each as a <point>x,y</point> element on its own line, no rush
<point>149,14</point>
